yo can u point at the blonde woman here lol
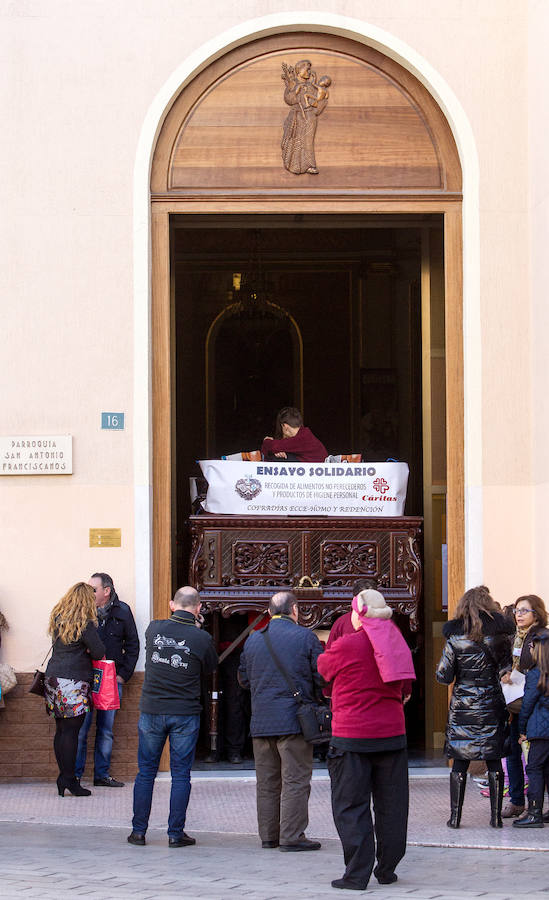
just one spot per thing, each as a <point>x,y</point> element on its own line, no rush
<point>75,640</point>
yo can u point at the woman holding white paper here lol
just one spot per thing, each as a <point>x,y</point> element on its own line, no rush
<point>531,620</point>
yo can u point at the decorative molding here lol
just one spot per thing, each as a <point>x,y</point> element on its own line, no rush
<point>312,523</point>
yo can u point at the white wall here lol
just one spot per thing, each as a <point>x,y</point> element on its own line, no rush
<point>539,242</point>
<point>79,79</point>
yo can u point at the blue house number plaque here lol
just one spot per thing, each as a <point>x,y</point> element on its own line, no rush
<point>112,421</point>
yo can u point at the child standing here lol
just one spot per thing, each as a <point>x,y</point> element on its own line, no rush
<point>534,727</point>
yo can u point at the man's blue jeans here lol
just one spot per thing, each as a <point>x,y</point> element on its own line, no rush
<point>182,732</point>
<point>104,724</point>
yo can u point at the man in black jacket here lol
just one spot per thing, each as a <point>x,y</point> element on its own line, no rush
<point>283,759</point>
<point>179,655</point>
<point>117,630</point>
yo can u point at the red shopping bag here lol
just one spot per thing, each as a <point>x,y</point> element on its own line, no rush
<point>105,686</point>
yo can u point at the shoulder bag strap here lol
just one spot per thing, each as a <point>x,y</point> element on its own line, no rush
<point>488,653</point>
<point>490,657</point>
<point>282,669</point>
<point>46,656</point>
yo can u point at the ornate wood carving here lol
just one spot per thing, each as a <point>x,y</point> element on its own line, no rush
<point>349,558</point>
<point>408,573</point>
<point>307,96</point>
<point>197,562</point>
<point>261,558</point>
<point>317,615</point>
<point>306,551</point>
<point>382,131</point>
<point>211,559</point>
<point>319,558</point>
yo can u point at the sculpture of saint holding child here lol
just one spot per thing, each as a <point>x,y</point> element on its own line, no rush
<point>308,98</point>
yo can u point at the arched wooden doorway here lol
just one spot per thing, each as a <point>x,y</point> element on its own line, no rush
<point>383,148</point>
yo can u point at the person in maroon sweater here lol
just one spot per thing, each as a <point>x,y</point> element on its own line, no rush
<point>344,625</point>
<point>293,441</point>
<point>367,755</point>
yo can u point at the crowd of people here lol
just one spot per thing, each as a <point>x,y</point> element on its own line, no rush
<point>88,623</point>
<point>365,670</point>
<point>482,648</point>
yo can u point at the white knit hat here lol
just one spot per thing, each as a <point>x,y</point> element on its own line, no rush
<point>371,604</point>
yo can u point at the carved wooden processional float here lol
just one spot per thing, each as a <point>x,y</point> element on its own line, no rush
<point>239,561</point>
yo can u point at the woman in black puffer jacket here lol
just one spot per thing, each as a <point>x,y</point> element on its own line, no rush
<point>477,651</point>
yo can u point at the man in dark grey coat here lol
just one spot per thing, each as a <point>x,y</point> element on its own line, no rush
<point>283,759</point>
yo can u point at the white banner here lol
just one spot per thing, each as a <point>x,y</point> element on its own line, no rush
<point>309,489</point>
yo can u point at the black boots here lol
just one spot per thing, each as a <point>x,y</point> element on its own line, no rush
<point>458,781</point>
<point>72,785</point>
<point>533,818</point>
<point>495,784</point>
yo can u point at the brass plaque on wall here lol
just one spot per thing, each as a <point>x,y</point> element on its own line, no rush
<point>105,537</point>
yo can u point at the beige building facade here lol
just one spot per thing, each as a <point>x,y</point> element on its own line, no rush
<point>87,91</point>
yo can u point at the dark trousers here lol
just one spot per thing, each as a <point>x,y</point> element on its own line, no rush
<point>537,769</point>
<point>356,778</point>
<point>283,768</point>
<point>65,744</point>
<point>235,703</point>
<point>514,766</point>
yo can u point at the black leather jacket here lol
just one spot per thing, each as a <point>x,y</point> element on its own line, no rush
<point>477,713</point>
<point>119,634</point>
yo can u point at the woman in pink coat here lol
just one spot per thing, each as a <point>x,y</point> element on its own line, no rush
<point>370,674</point>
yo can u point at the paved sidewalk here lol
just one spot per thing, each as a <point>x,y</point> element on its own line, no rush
<point>227,806</point>
<point>53,847</point>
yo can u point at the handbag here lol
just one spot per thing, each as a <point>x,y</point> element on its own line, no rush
<point>514,692</point>
<point>105,686</point>
<point>8,679</point>
<point>514,706</point>
<point>37,683</point>
<point>315,719</point>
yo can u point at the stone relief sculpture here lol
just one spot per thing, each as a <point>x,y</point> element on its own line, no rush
<point>308,98</point>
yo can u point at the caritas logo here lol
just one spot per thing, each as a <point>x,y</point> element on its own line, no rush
<point>381,487</point>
